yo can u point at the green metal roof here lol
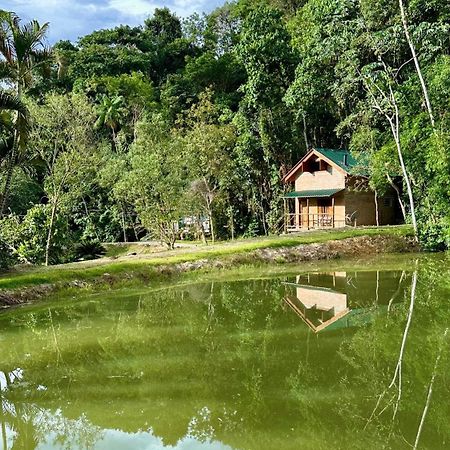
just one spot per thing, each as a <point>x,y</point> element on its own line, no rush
<point>345,160</point>
<point>318,193</point>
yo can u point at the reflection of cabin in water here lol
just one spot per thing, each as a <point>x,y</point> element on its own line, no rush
<point>331,192</point>
<point>342,299</point>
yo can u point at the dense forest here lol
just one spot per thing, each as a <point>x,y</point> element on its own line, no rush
<point>120,135</point>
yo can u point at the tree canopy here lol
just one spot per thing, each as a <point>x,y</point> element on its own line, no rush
<point>201,117</point>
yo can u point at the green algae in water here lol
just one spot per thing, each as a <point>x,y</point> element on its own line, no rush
<point>288,362</point>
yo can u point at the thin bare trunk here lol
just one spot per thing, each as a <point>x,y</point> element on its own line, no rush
<point>377,215</point>
<point>88,216</point>
<point>202,230</point>
<point>9,174</point>
<point>4,441</point>
<point>124,230</point>
<point>398,369</point>
<point>394,296</point>
<point>405,175</point>
<point>394,123</point>
<point>305,135</point>
<point>3,419</point>
<point>114,137</point>
<point>55,339</point>
<point>399,197</point>
<point>232,223</point>
<point>50,230</point>
<point>416,63</point>
<point>430,392</point>
<point>397,377</point>
<point>211,225</point>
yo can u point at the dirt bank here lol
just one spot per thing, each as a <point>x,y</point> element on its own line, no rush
<point>345,248</point>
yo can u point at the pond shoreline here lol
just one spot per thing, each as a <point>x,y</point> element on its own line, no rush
<point>353,247</point>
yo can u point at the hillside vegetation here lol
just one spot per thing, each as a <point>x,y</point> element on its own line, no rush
<point>116,137</point>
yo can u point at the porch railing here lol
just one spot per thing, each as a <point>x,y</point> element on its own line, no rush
<point>295,222</point>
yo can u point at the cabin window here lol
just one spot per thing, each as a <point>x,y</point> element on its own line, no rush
<point>388,202</point>
<point>311,165</point>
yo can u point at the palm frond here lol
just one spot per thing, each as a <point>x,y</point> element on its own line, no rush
<point>13,103</point>
<point>42,60</point>
<point>7,72</point>
<point>6,43</point>
<point>5,147</point>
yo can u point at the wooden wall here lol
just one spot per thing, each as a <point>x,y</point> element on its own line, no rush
<point>324,179</point>
<point>363,202</point>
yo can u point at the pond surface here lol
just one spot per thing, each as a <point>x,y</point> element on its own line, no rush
<point>338,358</point>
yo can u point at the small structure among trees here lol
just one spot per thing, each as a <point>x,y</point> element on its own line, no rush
<point>331,191</point>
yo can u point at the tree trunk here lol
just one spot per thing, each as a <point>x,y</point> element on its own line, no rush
<point>416,63</point>
<point>405,175</point>
<point>211,225</point>
<point>50,231</point>
<point>9,174</point>
<point>13,157</point>
<point>232,223</point>
<point>305,134</point>
<point>202,230</point>
<point>377,213</point>
<point>430,392</point>
<point>399,197</point>
<point>114,137</point>
<point>124,230</point>
<point>394,123</point>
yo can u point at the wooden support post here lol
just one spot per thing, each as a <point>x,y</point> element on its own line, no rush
<point>307,213</point>
<point>286,217</point>
<point>332,204</point>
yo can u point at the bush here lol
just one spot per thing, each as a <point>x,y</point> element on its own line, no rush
<point>88,249</point>
<point>7,258</point>
<point>29,236</point>
<point>435,236</point>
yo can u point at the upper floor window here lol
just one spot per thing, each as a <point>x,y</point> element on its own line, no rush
<point>316,165</point>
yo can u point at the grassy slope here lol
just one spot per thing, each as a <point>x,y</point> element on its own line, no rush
<point>90,270</point>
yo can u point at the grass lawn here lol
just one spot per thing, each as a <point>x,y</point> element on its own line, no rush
<point>89,270</point>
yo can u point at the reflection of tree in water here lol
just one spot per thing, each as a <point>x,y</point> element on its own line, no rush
<point>393,362</point>
<point>28,425</point>
<point>226,361</point>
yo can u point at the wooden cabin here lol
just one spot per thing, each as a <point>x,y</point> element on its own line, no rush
<point>331,190</point>
<point>317,306</point>
<point>336,300</point>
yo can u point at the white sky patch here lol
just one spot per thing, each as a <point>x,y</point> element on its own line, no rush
<point>70,19</point>
<point>133,7</point>
<point>145,8</point>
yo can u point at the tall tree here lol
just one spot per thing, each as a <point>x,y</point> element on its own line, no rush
<point>266,126</point>
<point>23,51</point>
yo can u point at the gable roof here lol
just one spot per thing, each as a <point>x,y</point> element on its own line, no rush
<point>340,158</point>
<point>343,158</point>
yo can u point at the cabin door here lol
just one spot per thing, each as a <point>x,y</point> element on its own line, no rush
<point>325,212</point>
<point>303,214</point>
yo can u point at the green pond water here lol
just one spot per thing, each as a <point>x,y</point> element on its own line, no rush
<point>339,357</point>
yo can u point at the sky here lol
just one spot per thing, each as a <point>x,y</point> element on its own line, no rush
<point>70,19</point>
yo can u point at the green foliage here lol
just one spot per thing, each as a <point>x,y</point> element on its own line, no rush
<point>155,182</point>
<point>133,129</point>
<point>28,236</point>
<point>7,258</point>
<point>88,249</point>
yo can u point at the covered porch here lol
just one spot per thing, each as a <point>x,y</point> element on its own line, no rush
<point>312,209</point>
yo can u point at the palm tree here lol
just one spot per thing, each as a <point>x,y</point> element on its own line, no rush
<point>110,113</point>
<point>22,52</point>
<point>14,132</point>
